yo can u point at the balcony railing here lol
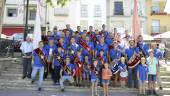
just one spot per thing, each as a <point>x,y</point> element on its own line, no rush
<point>158,29</point>
<point>157,11</point>
<point>61,11</point>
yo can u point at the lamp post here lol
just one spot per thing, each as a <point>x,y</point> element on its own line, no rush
<point>26,20</point>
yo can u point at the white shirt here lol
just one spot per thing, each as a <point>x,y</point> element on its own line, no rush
<point>26,47</point>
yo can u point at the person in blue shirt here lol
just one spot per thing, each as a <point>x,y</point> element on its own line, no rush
<point>50,47</point>
<point>67,72</point>
<point>38,65</point>
<point>143,46</point>
<point>68,28</point>
<point>104,31</point>
<point>142,75</point>
<point>59,57</point>
<point>102,46</point>
<point>57,34</point>
<point>86,68</point>
<point>94,77</point>
<point>123,71</point>
<point>132,77</point>
<point>78,61</point>
<point>73,48</point>
<point>91,45</point>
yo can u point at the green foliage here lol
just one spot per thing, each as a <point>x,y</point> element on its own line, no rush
<point>59,2</point>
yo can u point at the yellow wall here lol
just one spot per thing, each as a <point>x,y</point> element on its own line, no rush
<point>164,19</point>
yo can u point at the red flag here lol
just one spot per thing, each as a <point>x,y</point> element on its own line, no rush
<point>136,21</point>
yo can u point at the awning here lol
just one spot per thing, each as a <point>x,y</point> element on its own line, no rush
<point>12,30</point>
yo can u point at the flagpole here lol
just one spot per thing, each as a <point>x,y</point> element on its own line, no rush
<point>26,21</point>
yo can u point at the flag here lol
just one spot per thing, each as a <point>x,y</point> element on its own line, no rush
<point>136,30</point>
<point>167,7</point>
<point>37,27</point>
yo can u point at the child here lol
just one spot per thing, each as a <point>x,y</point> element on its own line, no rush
<point>142,74</point>
<point>123,71</point>
<point>86,71</point>
<point>106,74</point>
<point>94,77</point>
<point>152,63</point>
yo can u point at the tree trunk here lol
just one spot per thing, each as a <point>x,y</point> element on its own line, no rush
<point>2,8</point>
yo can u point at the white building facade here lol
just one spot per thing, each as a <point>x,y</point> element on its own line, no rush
<point>82,13</point>
<point>15,16</point>
<point>120,14</point>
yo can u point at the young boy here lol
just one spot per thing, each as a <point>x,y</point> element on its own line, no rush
<point>142,75</point>
<point>106,74</point>
<point>94,77</point>
<point>38,65</point>
<point>123,71</point>
<point>152,63</point>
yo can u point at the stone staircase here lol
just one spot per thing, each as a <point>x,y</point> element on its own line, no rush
<point>11,74</point>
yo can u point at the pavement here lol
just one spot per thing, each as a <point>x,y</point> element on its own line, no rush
<point>55,93</point>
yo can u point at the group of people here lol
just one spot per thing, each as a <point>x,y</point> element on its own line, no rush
<point>93,56</point>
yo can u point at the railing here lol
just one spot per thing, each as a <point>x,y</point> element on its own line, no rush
<point>61,11</point>
<point>156,10</point>
<point>158,29</point>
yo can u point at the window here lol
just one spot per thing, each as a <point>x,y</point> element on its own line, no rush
<point>155,9</point>
<point>84,11</point>
<point>118,8</point>
<point>97,11</point>
<point>155,26</point>
<point>32,14</point>
<point>12,12</point>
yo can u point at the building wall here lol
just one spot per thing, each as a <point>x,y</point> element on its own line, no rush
<point>125,21</point>
<point>161,16</point>
<point>73,15</point>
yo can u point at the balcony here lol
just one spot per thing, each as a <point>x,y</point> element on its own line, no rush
<point>158,29</point>
<point>61,11</point>
<point>156,10</point>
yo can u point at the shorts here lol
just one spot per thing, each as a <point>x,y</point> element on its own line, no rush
<point>123,78</point>
<point>94,80</point>
<point>151,77</point>
<point>104,81</point>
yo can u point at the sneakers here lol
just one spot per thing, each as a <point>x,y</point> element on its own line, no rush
<point>32,82</point>
<point>160,88</point>
<point>62,90</point>
<point>40,89</point>
<point>23,77</point>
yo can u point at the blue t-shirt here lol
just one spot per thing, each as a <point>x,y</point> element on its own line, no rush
<point>143,70</point>
<point>37,59</point>
<point>93,74</point>
<point>130,51</point>
<point>71,68</point>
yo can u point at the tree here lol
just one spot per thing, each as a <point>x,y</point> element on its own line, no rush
<point>59,2</point>
<point>2,7</point>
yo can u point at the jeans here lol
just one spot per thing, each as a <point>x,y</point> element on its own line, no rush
<point>41,74</point>
<point>132,77</point>
<point>64,78</point>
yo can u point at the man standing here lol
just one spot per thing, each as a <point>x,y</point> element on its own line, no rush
<point>26,49</point>
<point>39,58</point>
<point>132,72</point>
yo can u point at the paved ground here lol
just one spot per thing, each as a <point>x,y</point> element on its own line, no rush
<point>53,93</point>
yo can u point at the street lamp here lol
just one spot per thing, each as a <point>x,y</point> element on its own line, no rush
<point>26,21</point>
